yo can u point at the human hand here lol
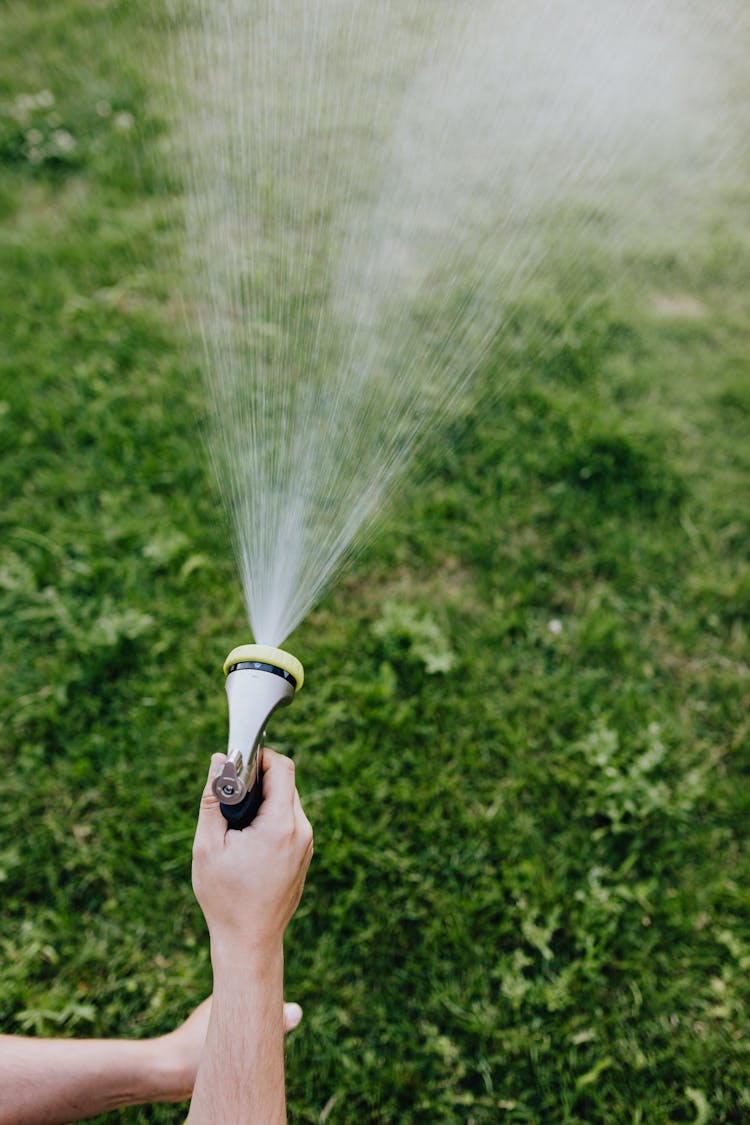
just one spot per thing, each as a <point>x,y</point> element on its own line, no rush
<point>177,1054</point>
<point>248,883</point>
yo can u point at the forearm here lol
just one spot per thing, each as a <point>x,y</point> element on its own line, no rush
<point>241,1071</point>
<point>51,1081</point>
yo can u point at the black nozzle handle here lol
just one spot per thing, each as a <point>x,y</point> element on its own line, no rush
<point>239,816</point>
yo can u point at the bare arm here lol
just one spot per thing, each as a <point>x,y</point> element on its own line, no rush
<point>248,884</point>
<point>51,1081</point>
<point>56,1081</point>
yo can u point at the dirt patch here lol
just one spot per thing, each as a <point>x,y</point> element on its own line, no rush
<point>678,306</point>
<point>451,582</point>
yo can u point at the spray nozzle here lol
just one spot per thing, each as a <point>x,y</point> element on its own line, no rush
<point>259,679</point>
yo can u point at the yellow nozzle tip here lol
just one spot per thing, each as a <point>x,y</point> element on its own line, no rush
<point>267,654</point>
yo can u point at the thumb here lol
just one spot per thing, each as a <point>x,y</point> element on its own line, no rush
<point>211,824</point>
<point>292,1016</point>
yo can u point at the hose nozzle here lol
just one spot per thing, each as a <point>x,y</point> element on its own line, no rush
<point>259,679</point>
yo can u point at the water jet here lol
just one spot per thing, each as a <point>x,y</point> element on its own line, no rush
<point>368,188</point>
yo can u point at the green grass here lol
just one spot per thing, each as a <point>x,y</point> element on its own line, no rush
<point>529,900</point>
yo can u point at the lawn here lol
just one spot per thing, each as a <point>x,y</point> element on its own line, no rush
<point>524,736</point>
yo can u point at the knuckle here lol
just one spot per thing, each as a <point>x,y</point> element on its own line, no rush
<point>283,830</point>
<point>281,761</point>
<point>201,848</point>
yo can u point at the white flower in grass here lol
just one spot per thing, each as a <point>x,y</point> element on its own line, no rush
<point>123,121</point>
<point>555,626</point>
<point>63,140</point>
<point>25,104</point>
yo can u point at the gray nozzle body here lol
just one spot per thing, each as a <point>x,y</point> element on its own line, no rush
<point>254,691</point>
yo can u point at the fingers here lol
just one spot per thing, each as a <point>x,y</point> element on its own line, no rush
<point>292,1016</point>
<point>279,789</point>
<point>303,824</point>
<point>211,824</point>
<point>297,804</point>
<point>281,809</point>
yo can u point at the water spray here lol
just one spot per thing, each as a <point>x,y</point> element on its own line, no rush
<point>259,680</point>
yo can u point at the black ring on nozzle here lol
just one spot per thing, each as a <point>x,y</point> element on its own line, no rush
<point>259,666</point>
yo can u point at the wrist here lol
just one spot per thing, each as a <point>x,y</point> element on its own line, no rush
<point>238,958</point>
<point>161,1074</point>
<point>168,1079</point>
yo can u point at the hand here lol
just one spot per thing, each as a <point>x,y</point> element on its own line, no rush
<point>180,1050</point>
<point>249,883</point>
